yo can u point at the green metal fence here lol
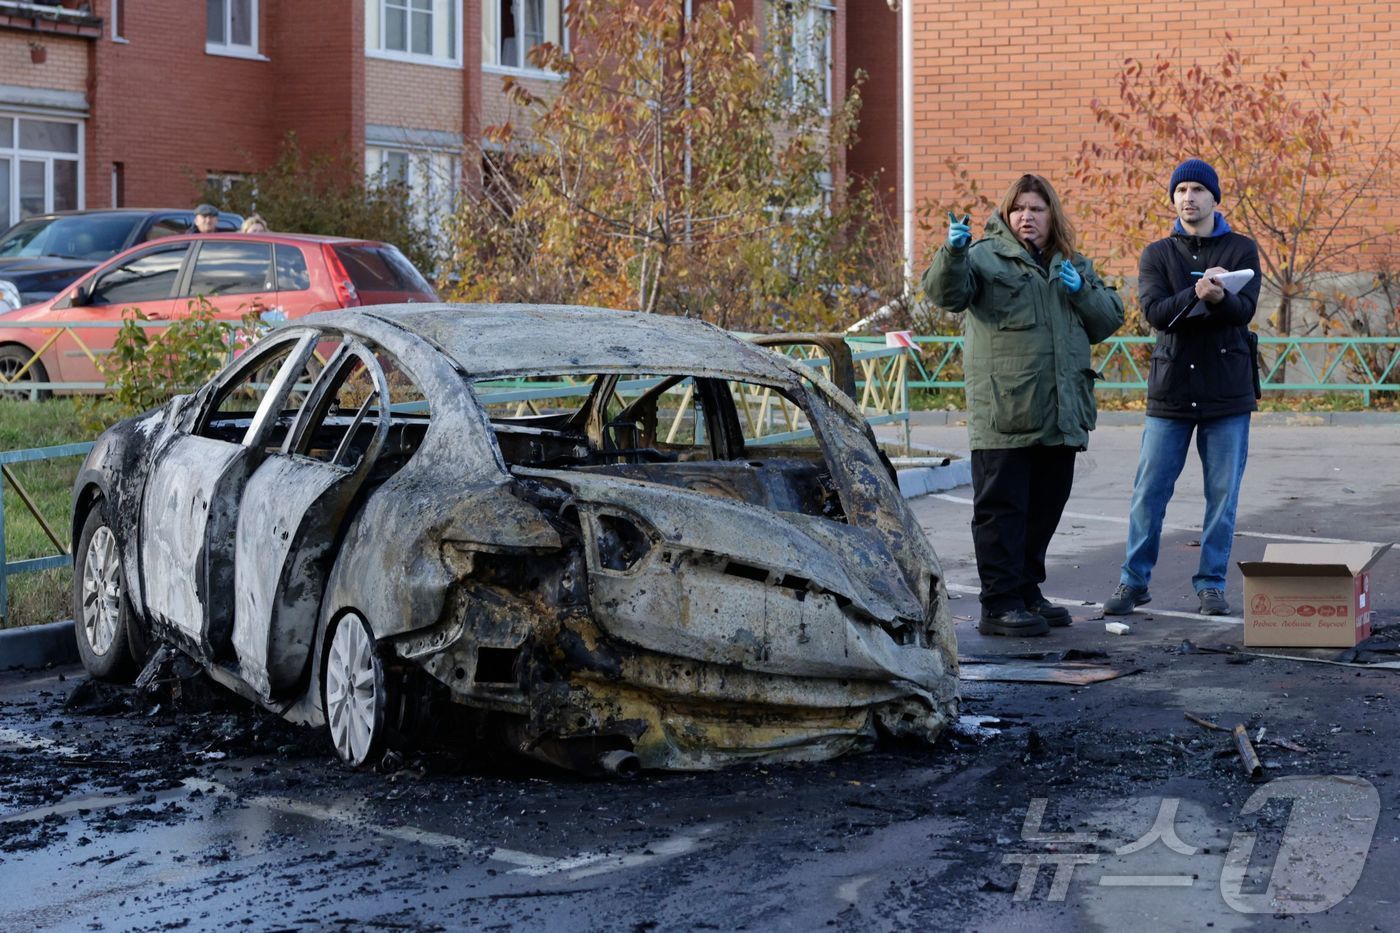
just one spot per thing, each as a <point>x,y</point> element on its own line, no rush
<point>1366,365</point>
<point>63,557</point>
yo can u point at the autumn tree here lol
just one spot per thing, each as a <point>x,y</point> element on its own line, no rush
<point>1305,171</point>
<point>675,170</point>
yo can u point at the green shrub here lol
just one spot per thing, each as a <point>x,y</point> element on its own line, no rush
<point>328,195</point>
<point>147,367</point>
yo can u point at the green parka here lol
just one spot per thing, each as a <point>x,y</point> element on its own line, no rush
<point>1026,349</point>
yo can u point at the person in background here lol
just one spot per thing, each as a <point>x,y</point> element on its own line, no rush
<point>1034,307</point>
<point>1202,381</point>
<point>206,219</point>
<point>253,223</point>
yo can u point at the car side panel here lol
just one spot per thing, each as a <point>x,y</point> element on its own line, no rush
<point>282,542</point>
<point>117,469</point>
<point>319,296</point>
<point>185,494</point>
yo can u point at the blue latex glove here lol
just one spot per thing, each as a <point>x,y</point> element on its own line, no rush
<point>1070,276</point>
<point>959,232</point>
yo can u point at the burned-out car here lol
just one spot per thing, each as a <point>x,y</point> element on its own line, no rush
<point>609,540</point>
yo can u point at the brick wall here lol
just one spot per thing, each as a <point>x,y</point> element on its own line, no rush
<point>169,112</point>
<point>872,41</point>
<point>412,96</point>
<point>1007,84</point>
<point>319,73</point>
<point>65,67</point>
<point>497,109</point>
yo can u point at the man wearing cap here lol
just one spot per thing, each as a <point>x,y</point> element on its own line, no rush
<point>1202,382</point>
<point>206,219</point>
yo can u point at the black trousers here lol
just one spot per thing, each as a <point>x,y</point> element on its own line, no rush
<point>1018,495</point>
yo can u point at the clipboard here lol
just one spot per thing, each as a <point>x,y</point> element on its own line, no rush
<point>1232,282</point>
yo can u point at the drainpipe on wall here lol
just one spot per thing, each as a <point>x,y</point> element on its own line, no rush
<point>906,131</point>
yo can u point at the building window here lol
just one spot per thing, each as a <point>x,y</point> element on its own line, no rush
<point>511,28</point>
<point>221,183</point>
<point>424,31</point>
<point>118,17</point>
<point>431,176</point>
<point>232,28</point>
<point>39,167</point>
<point>805,49</point>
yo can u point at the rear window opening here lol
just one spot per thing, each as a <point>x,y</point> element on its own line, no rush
<point>737,440</point>
<point>381,274</point>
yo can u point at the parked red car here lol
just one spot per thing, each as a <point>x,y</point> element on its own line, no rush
<point>278,275</point>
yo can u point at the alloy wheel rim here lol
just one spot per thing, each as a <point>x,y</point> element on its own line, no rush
<point>102,591</point>
<point>351,690</point>
<point>10,389</point>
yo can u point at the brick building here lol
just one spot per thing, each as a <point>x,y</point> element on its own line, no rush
<point>138,103</point>
<point>1006,85</point>
<point>150,99</point>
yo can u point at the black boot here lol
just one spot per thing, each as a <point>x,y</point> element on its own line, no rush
<point>1013,623</point>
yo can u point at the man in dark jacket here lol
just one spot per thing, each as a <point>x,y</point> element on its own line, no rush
<point>1202,381</point>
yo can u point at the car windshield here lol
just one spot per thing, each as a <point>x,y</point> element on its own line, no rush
<point>92,237</point>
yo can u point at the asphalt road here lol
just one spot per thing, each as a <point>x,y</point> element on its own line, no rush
<point>117,818</point>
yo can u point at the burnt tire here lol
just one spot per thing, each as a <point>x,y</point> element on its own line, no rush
<point>101,611</point>
<point>356,693</point>
<point>13,359</point>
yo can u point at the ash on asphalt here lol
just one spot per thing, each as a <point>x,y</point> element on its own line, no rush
<point>141,814</point>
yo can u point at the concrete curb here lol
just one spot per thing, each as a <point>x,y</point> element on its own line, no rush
<point>1320,419</point>
<point>920,481</point>
<point>33,647</point>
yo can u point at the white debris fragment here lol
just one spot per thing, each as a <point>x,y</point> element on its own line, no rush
<point>977,727</point>
<point>1117,628</point>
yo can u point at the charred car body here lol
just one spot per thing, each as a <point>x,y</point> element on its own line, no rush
<point>580,526</point>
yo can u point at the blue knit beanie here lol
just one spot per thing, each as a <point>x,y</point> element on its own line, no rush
<point>1195,170</point>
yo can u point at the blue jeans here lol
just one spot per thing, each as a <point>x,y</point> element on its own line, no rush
<point>1223,444</point>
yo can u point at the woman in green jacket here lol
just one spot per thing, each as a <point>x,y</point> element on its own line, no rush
<point>1034,306</point>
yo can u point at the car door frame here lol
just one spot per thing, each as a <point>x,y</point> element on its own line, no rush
<point>291,513</point>
<point>190,499</point>
<point>182,286</point>
<point>63,309</point>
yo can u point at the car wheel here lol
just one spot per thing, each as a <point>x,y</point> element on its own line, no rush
<point>13,359</point>
<point>356,698</point>
<point>101,611</point>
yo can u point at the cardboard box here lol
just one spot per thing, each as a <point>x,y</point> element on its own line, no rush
<point>1309,595</point>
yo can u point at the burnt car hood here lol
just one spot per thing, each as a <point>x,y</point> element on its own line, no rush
<point>733,583</point>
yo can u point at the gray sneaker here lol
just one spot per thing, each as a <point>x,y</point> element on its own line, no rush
<point>1125,599</point>
<point>1213,602</point>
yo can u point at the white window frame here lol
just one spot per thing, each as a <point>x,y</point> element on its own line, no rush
<point>808,16</point>
<point>555,30</point>
<point>14,153</point>
<point>422,177</point>
<point>442,32</point>
<point>228,48</point>
<point>116,16</point>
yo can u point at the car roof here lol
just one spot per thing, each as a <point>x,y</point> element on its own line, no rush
<point>93,212</point>
<point>496,339</point>
<point>268,237</point>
